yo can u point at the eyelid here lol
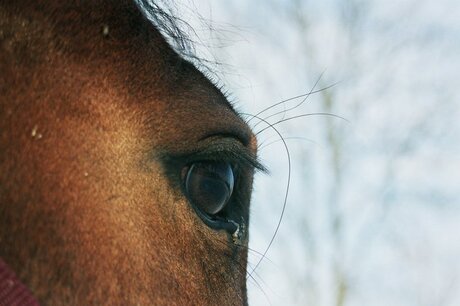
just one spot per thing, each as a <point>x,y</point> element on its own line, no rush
<point>210,149</point>
<point>235,135</point>
<point>226,149</point>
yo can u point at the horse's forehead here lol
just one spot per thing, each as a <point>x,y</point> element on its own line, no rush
<point>115,56</point>
<point>104,34</point>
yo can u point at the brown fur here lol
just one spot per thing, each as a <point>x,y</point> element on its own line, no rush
<point>91,96</point>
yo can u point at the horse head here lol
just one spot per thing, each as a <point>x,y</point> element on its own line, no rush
<point>125,174</point>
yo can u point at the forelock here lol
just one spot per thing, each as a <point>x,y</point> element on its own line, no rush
<point>163,14</point>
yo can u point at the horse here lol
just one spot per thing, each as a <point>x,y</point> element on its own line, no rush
<point>125,173</point>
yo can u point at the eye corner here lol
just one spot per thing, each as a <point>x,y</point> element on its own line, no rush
<point>230,155</point>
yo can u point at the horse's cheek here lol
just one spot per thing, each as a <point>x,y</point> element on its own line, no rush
<point>94,208</point>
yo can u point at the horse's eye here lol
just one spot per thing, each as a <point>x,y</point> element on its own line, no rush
<point>209,186</point>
